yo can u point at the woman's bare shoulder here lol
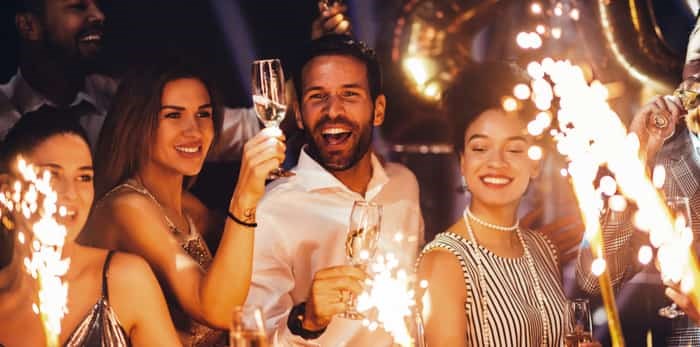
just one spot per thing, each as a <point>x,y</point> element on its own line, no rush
<point>132,285</point>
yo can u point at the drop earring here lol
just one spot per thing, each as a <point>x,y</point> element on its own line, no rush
<point>463,188</point>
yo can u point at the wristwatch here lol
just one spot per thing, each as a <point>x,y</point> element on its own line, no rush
<point>294,323</point>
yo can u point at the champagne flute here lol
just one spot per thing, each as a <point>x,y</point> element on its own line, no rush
<point>247,327</point>
<point>680,209</point>
<point>269,98</point>
<point>579,326</point>
<point>361,242</point>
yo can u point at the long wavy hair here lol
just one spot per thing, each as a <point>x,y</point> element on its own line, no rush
<point>128,133</point>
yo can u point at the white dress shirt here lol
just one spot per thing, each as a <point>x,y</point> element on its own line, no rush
<point>302,223</point>
<point>91,104</point>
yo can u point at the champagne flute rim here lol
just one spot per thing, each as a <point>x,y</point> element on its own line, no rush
<point>269,60</point>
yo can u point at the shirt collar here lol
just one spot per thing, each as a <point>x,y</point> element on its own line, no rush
<point>314,177</point>
<point>26,99</point>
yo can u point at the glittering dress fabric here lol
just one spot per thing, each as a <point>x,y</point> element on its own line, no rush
<point>191,332</point>
<point>100,328</point>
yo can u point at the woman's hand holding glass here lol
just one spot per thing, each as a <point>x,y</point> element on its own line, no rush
<point>261,155</point>
<point>270,99</point>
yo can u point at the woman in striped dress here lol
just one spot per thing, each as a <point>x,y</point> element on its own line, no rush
<point>491,282</point>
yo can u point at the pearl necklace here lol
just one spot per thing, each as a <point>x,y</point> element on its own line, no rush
<point>541,301</point>
<point>490,225</point>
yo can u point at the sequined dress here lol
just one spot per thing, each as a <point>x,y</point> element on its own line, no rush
<point>100,328</point>
<point>192,333</point>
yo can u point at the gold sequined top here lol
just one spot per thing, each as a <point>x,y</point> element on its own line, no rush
<point>191,332</point>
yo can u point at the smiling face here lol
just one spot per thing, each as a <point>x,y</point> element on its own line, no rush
<point>185,127</point>
<point>67,157</point>
<point>72,29</point>
<point>495,161</point>
<point>337,110</point>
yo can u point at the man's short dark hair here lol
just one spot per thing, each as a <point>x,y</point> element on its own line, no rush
<point>335,44</point>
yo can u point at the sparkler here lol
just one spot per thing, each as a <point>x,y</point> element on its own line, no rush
<point>389,300</point>
<point>31,199</point>
<point>591,135</point>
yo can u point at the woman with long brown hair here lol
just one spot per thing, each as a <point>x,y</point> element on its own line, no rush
<point>155,138</point>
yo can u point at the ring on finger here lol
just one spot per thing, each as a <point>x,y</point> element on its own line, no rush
<point>660,121</point>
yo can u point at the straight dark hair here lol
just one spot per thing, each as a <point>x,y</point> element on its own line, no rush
<point>132,122</point>
<point>36,127</point>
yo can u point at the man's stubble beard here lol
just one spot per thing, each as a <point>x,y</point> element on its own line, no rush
<point>361,148</point>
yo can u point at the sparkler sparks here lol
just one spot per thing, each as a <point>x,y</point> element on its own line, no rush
<point>391,295</point>
<point>591,136</point>
<point>389,299</point>
<point>34,199</point>
<point>588,131</point>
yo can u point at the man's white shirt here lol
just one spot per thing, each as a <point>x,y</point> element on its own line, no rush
<point>302,224</point>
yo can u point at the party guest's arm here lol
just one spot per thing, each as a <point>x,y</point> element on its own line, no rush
<point>210,296</point>
<point>443,301</point>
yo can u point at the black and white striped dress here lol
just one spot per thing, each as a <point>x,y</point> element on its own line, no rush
<point>515,318</point>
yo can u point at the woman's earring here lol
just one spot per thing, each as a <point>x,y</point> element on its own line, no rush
<point>463,188</point>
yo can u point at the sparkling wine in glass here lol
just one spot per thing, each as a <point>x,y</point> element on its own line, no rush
<point>579,326</point>
<point>247,327</point>
<point>361,241</point>
<point>680,209</point>
<point>269,98</point>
